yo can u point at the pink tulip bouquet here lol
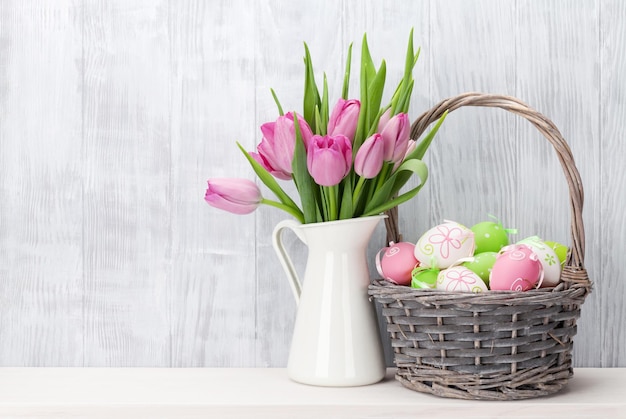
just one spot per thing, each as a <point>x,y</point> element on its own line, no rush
<point>351,162</point>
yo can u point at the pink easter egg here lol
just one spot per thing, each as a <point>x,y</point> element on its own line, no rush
<point>517,268</point>
<point>397,262</point>
<point>443,245</point>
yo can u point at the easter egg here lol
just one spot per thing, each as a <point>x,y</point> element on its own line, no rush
<point>460,279</point>
<point>481,264</point>
<point>424,278</point>
<point>559,249</point>
<point>444,244</point>
<point>548,258</point>
<point>397,262</point>
<point>489,237</point>
<point>517,268</point>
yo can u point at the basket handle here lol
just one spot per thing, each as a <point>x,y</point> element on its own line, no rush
<point>547,128</point>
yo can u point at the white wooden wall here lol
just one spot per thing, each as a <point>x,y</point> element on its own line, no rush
<point>114,113</point>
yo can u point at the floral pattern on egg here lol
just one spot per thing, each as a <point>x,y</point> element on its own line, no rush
<point>460,279</point>
<point>444,244</point>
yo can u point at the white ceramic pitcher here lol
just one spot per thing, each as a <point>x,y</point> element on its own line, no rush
<point>335,340</point>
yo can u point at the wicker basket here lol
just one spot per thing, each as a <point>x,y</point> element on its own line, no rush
<point>497,345</point>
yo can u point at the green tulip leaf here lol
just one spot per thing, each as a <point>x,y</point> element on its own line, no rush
<point>367,64</point>
<point>311,93</point>
<point>318,122</point>
<point>280,108</point>
<point>413,166</point>
<point>360,127</point>
<point>422,146</point>
<point>400,102</point>
<point>375,95</point>
<point>405,99</point>
<point>384,189</point>
<point>346,210</point>
<point>324,111</point>
<point>307,189</point>
<point>374,125</point>
<point>346,76</point>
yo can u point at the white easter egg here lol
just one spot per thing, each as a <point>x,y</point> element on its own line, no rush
<point>444,244</point>
<point>460,279</point>
<point>548,258</point>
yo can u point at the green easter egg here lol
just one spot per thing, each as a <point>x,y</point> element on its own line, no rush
<point>482,264</point>
<point>489,237</point>
<point>559,249</point>
<point>424,278</point>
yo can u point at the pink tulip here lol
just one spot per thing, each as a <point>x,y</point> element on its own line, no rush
<point>305,130</point>
<point>275,152</point>
<point>329,159</point>
<point>384,119</point>
<point>369,159</point>
<point>239,196</point>
<point>344,118</point>
<point>409,149</point>
<point>396,137</point>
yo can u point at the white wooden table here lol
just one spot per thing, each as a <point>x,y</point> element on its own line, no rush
<point>268,393</point>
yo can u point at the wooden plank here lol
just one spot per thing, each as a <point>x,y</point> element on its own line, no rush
<point>472,161</point>
<point>213,252</point>
<point>40,184</point>
<point>610,223</point>
<point>126,196</point>
<point>557,73</point>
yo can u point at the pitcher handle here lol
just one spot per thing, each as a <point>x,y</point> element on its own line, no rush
<point>283,257</point>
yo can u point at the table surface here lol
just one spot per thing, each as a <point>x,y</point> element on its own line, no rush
<point>268,393</point>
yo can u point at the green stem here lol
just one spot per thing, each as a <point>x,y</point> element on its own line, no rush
<point>331,194</point>
<point>324,203</point>
<point>357,191</point>
<point>382,176</point>
<point>293,211</point>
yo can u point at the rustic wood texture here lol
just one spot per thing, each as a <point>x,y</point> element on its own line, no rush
<point>114,113</point>
<point>41,209</point>
<point>212,278</point>
<point>126,220</point>
<point>609,312</point>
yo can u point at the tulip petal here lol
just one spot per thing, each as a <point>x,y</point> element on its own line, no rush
<point>329,159</point>
<point>239,196</point>
<point>369,159</point>
<point>396,136</point>
<point>344,118</point>
<point>276,150</point>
